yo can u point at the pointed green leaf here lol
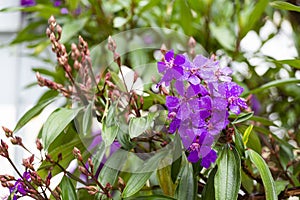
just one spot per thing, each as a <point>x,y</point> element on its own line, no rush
<point>151,197</point>
<point>243,117</point>
<point>87,119</point>
<point>246,134</point>
<point>165,180</point>
<point>208,192</point>
<point>228,176</point>
<point>109,134</point>
<point>68,191</point>
<point>238,141</point>
<point>275,83</point>
<point>138,180</point>
<point>293,62</point>
<point>34,111</point>
<point>56,123</point>
<point>285,6</point>
<point>71,28</point>
<point>186,186</point>
<point>265,174</point>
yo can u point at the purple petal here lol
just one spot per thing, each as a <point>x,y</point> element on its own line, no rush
<point>176,72</point>
<point>180,87</point>
<point>200,60</point>
<point>193,156</point>
<point>183,111</point>
<point>179,60</point>
<point>174,125</point>
<point>161,66</point>
<point>169,55</point>
<point>208,159</point>
<point>172,103</point>
<point>193,79</point>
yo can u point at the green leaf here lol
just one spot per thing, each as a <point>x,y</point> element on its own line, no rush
<point>243,117</point>
<point>228,176</point>
<point>137,126</point>
<point>138,180</point>
<point>119,21</point>
<point>285,6</point>
<point>280,186</point>
<point>109,172</point>
<point>265,174</point>
<point>119,83</point>
<point>275,83</point>
<point>72,28</point>
<point>109,134</point>
<point>165,180</point>
<point>238,141</point>
<point>33,112</point>
<point>223,35</point>
<point>56,123</point>
<point>246,134</point>
<point>87,119</point>
<point>249,21</point>
<point>68,191</point>
<point>148,6</point>
<point>293,62</point>
<point>208,192</point>
<point>151,197</point>
<point>186,186</point>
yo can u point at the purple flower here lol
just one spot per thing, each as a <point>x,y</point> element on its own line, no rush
<point>171,68</point>
<point>57,3</point>
<point>19,187</point>
<point>235,103</point>
<point>28,3</point>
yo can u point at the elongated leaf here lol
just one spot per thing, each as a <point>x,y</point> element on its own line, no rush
<point>265,174</point>
<point>72,28</point>
<point>68,191</point>
<point>151,197</point>
<point>87,119</point>
<point>293,63</point>
<point>285,6</point>
<point>275,83</point>
<point>208,192</point>
<point>113,165</point>
<point>228,176</point>
<point>165,180</point>
<point>34,111</point>
<point>242,118</point>
<point>56,123</point>
<point>186,186</point>
<point>138,180</point>
<point>246,134</point>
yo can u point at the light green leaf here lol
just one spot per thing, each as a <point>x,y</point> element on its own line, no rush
<point>118,82</point>
<point>56,123</point>
<point>280,186</point>
<point>119,21</point>
<point>246,134</point>
<point>293,63</point>
<point>72,28</point>
<point>137,126</point>
<point>165,180</point>
<point>68,191</point>
<point>109,134</point>
<point>228,176</point>
<point>87,119</point>
<point>265,174</point>
<point>109,172</point>
<point>275,83</point>
<point>285,6</point>
<point>150,197</point>
<point>138,180</point>
<point>223,35</point>
<point>243,117</point>
<point>34,111</point>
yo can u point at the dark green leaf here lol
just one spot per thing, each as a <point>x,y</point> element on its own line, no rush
<point>186,186</point>
<point>56,123</point>
<point>238,141</point>
<point>208,192</point>
<point>33,112</point>
<point>68,191</point>
<point>285,6</point>
<point>228,176</point>
<point>265,174</point>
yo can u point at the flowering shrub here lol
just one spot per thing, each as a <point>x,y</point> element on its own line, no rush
<point>183,127</point>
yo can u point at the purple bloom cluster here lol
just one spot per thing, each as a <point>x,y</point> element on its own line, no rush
<point>19,188</point>
<point>200,109</point>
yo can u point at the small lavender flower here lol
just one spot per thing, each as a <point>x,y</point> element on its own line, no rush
<point>171,68</point>
<point>19,188</point>
<point>28,3</point>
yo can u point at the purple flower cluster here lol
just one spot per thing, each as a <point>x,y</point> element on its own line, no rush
<point>19,189</point>
<point>200,109</point>
<point>28,3</point>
